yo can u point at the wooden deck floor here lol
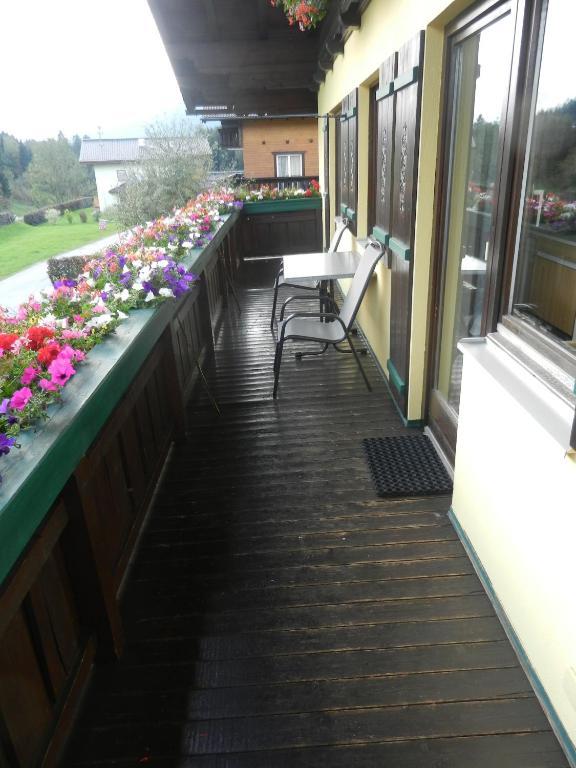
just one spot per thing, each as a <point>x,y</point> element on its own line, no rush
<point>280,615</point>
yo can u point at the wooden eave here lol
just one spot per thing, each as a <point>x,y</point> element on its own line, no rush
<point>241,57</point>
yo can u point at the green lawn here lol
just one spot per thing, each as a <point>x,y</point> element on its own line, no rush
<point>22,245</point>
<point>19,208</point>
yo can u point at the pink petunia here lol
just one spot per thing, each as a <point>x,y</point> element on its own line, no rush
<point>47,385</point>
<point>60,371</point>
<point>28,375</point>
<point>20,398</point>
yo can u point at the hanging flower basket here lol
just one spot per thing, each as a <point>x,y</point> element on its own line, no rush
<point>307,15</point>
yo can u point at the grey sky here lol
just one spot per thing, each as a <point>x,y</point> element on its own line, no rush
<point>73,66</point>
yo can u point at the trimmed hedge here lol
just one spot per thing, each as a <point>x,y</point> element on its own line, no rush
<point>35,217</point>
<point>7,218</point>
<point>75,205</point>
<point>65,267</point>
<point>38,217</point>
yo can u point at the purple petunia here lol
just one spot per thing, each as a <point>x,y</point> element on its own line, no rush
<point>6,443</point>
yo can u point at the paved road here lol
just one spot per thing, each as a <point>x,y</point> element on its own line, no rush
<point>17,288</point>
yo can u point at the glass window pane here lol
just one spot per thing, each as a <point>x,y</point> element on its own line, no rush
<point>479,89</point>
<point>282,165</point>
<point>545,275</point>
<point>295,165</point>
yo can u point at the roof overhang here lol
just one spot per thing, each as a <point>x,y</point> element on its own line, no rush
<point>241,57</point>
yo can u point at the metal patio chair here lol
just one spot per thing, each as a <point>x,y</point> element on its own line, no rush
<point>279,282</point>
<point>330,328</point>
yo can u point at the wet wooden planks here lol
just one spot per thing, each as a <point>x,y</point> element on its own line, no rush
<point>280,615</point>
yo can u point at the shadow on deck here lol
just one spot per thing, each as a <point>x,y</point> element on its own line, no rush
<point>280,615</point>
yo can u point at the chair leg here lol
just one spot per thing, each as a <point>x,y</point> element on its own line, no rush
<point>274,302</point>
<point>277,364</point>
<point>358,363</point>
<point>300,355</point>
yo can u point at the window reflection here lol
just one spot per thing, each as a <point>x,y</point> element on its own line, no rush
<point>545,280</point>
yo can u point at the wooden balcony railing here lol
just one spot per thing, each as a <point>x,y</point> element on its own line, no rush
<point>74,499</point>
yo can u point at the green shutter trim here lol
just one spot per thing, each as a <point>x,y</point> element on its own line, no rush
<point>385,90</point>
<point>395,378</point>
<point>400,248</point>
<point>406,78</point>
<point>347,115</point>
<point>381,235</point>
<point>351,214</point>
<point>343,209</point>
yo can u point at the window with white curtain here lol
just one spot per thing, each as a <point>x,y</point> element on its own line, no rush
<point>289,164</point>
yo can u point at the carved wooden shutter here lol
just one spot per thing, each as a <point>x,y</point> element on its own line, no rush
<point>349,157</point>
<point>385,151</point>
<point>398,99</point>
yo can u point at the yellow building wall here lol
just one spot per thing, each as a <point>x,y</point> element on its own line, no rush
<point>515,499</point>
<point>386,25</point>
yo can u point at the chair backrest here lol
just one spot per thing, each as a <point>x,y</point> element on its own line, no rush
<point>353,299</point>
<point>337,236</point>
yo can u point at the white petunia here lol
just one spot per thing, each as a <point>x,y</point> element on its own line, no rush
<point>149,296</point>
<point>167,292</point>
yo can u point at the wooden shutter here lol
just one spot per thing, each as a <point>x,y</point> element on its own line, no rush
<point>398,127</point>
<point>407,89</point>
<point>348,157</point>
<point>384,155</point>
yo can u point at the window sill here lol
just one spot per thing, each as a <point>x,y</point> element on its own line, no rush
<point>549,359</point>
<point>551,405</point>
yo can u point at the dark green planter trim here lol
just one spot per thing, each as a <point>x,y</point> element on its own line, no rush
<point>560,731</point>
<point>400,248</point>
<point>280,206</point>
<point>34,476</point>
<point>395,377</point>
<point>381,235</point>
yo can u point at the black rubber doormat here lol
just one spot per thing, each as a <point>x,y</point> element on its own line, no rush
<point>406,465</point>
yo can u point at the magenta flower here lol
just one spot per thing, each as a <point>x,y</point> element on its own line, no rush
<point>20,398</point>
<point>69,353</point>
<point>60,371</point>
<point>28,375</point>
<point>47,386</point>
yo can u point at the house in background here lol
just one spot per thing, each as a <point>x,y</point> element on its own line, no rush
<point>274,148</point>
<point>111,159</point>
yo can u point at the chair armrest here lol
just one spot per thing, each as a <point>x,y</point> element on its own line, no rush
<point>327,299</point>
<point>317,315</point>
<point>296,297</point>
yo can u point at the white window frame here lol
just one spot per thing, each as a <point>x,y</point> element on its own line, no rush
<point>293,157</point>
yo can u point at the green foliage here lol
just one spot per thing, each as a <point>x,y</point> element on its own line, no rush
<point>55,173</point>
<point>83,217</point>
<point>35,218</point>
<point>68,215</point>
<point>174,169</point>
<point>62,267</point>
<point>554,161</point>
<point>223,159</point>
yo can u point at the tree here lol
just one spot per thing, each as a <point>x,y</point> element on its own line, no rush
<point>55,175</point>
<point>223,159</point>
<point>173,168</point>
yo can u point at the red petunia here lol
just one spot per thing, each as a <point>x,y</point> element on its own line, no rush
<point>37,336</point>
<point>48,354</point>
<point>6,340</point>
